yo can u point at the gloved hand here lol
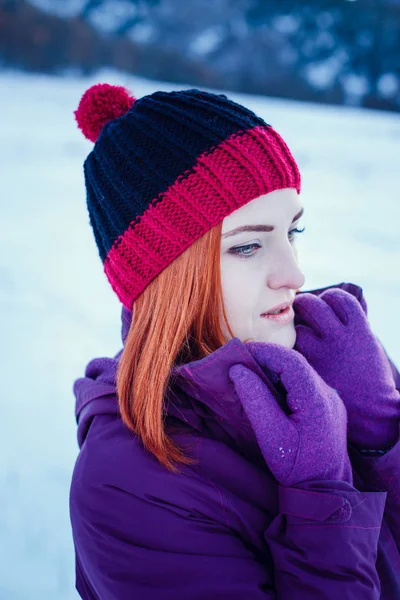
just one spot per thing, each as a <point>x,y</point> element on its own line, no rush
<point>334,335</point>
<point>307,445</point>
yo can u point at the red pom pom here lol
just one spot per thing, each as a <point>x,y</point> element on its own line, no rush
<point>100,104</point>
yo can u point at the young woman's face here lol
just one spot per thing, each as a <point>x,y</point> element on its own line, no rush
<point>259,269</point>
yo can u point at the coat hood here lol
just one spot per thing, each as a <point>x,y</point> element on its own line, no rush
<point>200,391</point>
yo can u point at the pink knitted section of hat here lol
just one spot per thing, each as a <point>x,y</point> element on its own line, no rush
<point>243,167</point>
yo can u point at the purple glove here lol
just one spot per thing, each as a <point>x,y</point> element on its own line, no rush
<point>334,335</point>
<point>309,444</point>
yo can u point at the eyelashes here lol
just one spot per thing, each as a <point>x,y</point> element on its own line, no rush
<point>239,250</point>
<point>293,233</point>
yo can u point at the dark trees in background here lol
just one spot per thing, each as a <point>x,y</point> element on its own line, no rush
<point>37,41</point>
<point>336,51</point>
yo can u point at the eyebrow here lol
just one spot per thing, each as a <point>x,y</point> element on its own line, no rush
<point>258,227</point>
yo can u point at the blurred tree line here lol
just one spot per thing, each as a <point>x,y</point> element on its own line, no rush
<point>335,51</point>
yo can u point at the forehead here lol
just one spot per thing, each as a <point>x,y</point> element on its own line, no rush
<point>269,209</point>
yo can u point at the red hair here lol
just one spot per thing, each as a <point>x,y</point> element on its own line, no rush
<point>175,319</point>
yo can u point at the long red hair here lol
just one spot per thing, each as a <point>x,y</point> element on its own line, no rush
<point>175,319</point>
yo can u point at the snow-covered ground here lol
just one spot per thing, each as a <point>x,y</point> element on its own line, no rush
<point>58,310</point>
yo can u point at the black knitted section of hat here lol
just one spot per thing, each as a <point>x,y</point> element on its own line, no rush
<point>140,155</point>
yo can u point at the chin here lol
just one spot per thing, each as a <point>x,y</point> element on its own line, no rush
<point>285,336</point>
<point>289,343</point>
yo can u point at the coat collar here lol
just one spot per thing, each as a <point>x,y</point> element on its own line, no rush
<point>204,387</point>
<point>202,396</point>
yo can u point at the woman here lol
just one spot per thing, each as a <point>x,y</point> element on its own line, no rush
<point>244,442</point>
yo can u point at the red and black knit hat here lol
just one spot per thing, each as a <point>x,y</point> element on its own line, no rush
<point>167,168</point>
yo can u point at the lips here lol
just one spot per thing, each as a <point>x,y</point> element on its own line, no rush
<point>281,318</point>
<point>277,307</point>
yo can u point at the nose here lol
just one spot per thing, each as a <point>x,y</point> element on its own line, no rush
<point>285,271</point>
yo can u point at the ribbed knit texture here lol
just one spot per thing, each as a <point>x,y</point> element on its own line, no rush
<point>174,166</point>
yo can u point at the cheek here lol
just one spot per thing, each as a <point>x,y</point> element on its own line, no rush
<point>239,291</point>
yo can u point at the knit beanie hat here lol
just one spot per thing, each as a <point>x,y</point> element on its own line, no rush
<point>165,169</point>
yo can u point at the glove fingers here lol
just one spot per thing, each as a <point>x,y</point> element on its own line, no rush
<point>272,356</point>
<point>299,319</point>
<point>344,305</point>
<point>277,436</point>
<point>298,377</point>
<point>257,400</point>
<point>311,311</point>
<point>306,341</point>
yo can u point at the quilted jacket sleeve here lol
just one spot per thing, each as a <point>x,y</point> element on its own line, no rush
<point>324,542</point>
<point>135,541</point>
<point>382,473</point>
<point>132,543</point>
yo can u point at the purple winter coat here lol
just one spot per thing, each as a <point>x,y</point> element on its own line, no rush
<point>223,528</point>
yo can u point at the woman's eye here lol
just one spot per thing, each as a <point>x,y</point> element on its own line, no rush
<point>294,232</point>
<point>241,251</point>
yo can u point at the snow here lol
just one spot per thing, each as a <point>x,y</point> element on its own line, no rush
<point>286,23</point>
<point>72,8</point>
<point>207,41</point>
<point>58,310</point>
<point>323,74</point>
<point>355,87</point>
<point>142,33</point>
<point>110,15</point>
<point>388,85</point>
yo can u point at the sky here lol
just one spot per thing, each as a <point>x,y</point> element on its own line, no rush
<point>58,310</point>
